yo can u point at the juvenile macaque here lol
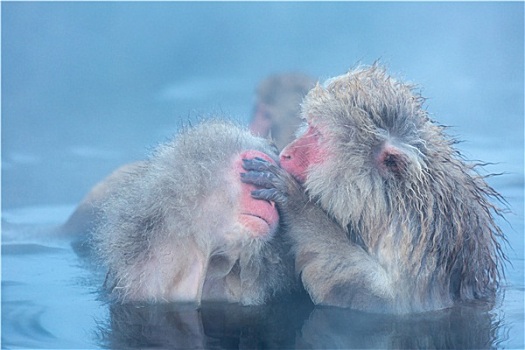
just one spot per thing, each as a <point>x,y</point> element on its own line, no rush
<point>181,226</point>
<point>393,219</point>
<point>278,107</point>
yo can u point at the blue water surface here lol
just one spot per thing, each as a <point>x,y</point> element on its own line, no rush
<point>89,86</point>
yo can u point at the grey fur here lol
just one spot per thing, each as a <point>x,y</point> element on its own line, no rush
<point>416,233</point>
<point>173,211</point>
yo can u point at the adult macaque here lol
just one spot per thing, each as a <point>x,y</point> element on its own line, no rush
<point>181,226</point>
<point>393,219</point>
<point>278,107</point>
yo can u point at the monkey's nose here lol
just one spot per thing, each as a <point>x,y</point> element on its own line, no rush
<point>284,157</point>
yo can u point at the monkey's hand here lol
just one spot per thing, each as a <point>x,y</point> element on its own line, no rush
<point>275,185</point>
<point>334,270</point>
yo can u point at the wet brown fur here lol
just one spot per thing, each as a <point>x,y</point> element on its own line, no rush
<point>427,219</point>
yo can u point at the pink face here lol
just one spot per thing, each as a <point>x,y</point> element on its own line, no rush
<point>258,216</point>
<point>303,152</point>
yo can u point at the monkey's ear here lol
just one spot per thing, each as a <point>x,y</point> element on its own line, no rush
<point>391,160</point>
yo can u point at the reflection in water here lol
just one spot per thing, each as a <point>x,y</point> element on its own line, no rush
<point>294,324</point>
<point>22,321</point>
<point>51,299</point>
<point>462,327</point>
<point>214,325</point>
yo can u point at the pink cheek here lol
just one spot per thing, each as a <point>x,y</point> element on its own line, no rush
<point>258,216</point>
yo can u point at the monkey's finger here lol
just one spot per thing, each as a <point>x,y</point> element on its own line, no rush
<point>270,194</point>
<point>258,178</point>
<point>257,164</point>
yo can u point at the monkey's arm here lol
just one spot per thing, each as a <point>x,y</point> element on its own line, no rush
<point>334,270</point>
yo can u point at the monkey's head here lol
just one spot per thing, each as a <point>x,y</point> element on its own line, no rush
<point>206,195</point>
<point>366,141</point>
<point>373,159</point>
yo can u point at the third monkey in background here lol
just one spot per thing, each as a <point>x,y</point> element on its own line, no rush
<point>392,218</point>
<point>277,113</point>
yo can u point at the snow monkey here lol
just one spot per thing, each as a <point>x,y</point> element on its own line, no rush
<point>181,226</point>
<point>276,116</point>
<point>278,106</point>
<point>392,219</point>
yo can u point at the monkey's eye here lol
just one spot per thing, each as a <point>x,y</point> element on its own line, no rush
<point>314,132</point>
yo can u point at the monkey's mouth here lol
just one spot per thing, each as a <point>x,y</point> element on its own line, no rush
<point>258,225</point>
<point>258,217</point>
